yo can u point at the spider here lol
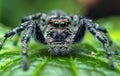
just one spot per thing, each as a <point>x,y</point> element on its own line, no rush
<point>59,30</point>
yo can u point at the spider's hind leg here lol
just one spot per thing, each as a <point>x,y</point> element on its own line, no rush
<point>105,43</point>
<point>92,29</point>
<point>105,32</point>
<point>25,40</point>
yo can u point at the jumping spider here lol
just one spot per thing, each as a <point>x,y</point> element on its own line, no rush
<point>58,30</point>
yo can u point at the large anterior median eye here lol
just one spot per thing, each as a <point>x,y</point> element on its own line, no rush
<point>63,24</point>
<point>56,24</point>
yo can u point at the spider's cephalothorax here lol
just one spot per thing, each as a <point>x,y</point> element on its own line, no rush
<point>58,30</point>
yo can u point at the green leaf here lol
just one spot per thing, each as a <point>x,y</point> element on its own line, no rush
<point>78,63</point>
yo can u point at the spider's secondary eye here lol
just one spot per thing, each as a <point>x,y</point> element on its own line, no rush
<point>56,24</point>
<point>63,24</point>
<point>51,23</point>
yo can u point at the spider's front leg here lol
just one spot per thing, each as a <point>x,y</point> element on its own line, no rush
<point>37,16</point>
<point>90,25</point>
<point>34,17</point>
<point>29,31</point>
<point>79,28</point>
<point>16,30</point>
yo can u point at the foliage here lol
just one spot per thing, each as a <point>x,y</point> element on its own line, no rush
<point>78,63</point>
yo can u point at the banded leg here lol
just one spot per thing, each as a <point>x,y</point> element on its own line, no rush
<point>79,28</point>
<point>34,17</point>
<point>91,27</point>
<point>99,36</point>
<point>13,32</point>
<point>80,34</point>
<point>25,40</point>
<point>40,16</point>
<point>102,29</point>
<point>38,36</point>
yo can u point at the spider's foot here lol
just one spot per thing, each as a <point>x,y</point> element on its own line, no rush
<point>25,67</point>
<point>25,63</point>
<point>1,46</point>
<point>15,43</point>
<point>112,67</point>
<point>116,53</point>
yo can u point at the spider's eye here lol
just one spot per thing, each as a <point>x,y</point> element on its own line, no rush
<point>51,23</point>
<point>63,24</point>
<point>56,24</point>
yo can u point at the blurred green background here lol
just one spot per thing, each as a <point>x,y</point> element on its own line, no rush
<point>12,11</point>
<point>81,63</point>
